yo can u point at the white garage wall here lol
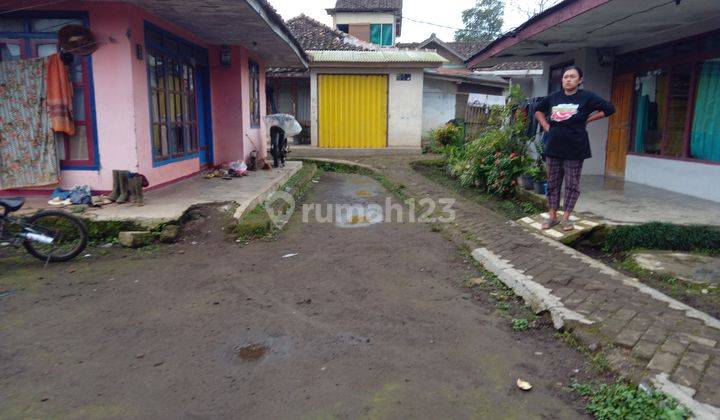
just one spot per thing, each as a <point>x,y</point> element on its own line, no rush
<point>438,104</point>
<point>405,103</point>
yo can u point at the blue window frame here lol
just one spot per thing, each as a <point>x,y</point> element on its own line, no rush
<point>173,85</point>
<point>254,74</point>
<point>32,34</point>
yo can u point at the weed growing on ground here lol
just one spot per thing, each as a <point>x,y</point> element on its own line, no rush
<point>502,306</point>
<point>597,359</point>
<point>626,401</point>
<point>520,324</point>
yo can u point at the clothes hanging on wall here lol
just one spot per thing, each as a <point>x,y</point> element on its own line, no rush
<point>28,150</point>
<point>59,96</point>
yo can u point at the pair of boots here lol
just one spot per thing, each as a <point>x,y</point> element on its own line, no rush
<point>126,187</point>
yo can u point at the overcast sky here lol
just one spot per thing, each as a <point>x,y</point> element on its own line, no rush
<point>443,12</point>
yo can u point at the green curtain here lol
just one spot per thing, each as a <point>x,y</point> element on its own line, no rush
<point>387,35</point>
<point>705,135</point>
<point>376,34</point>
<point>381,34</point>
<point>641,122</point>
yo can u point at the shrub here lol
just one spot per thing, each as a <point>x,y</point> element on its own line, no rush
<point>449,134</point>
<point>664,236</point>
<point>498,156</point>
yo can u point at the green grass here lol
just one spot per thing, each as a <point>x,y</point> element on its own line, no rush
<point>596,359</point>
<point>256,223</point>
<point>512,208</point>
<point>626,401</point>
<point>663,236</point>
<point>509,305</point>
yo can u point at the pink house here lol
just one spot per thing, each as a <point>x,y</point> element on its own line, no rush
<point>175,85</point>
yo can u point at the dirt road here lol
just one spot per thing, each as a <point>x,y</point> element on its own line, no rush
<point>365,321</point>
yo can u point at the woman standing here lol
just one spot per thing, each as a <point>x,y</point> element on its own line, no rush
<point>567,140</point>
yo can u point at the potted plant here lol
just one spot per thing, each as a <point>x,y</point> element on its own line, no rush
<point>527,180</point>
<point>540,178</point>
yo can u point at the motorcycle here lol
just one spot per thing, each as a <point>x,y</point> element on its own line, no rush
<point>281,127</point>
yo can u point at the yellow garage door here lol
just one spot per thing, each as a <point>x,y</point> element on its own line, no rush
<point>352,110</point>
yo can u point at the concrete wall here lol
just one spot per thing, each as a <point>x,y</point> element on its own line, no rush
<point>439,103</point>
<point>350,18</point>
<point>360,31</point>
<point>114,108</point>
<point>405,103</point>
<point>691,178</point>
<point>597,79</point>
<point>360,23</point>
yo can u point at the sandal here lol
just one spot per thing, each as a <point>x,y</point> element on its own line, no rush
<point>549,223</point>
<point>568,226</point>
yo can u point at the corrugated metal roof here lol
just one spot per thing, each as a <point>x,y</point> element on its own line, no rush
<point>383,56</point>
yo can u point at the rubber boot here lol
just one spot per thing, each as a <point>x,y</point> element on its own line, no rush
<point>136,189</point>
<point>116,186</point>
<point>123,182</point>
<point>131,190</point>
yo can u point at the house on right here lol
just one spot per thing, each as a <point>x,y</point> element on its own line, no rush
<point>659,63</point>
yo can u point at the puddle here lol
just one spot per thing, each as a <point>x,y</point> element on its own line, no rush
<point>251,352</point>
<point>255,348</point>
<point>358,216</point>
<point>365,194</point>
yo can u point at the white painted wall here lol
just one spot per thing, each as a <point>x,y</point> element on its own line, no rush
<point>438,104</point>
<point>691,178</point>
<point>363,18</point>
<point>405,103</point>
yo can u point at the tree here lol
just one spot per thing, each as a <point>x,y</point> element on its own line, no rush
<point>532,8</point>
<point>483,22</point>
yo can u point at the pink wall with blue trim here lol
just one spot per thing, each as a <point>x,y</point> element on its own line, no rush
<point>122,103</point>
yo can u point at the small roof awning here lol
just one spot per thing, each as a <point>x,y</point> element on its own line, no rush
<point>253,24</point>
<point>389,57</point>
<point>576,24</point>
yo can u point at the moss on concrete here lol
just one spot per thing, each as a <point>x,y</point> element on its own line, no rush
<point>257,223</point>
<point>107,231</point>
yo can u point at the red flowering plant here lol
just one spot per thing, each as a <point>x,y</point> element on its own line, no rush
<point>498,156</point>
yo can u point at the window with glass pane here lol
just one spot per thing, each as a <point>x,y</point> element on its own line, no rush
<point>10,50</point>
<point>650,100</point>
<point>254,95</point>
<point>677,111</point>
<point>172,103</point>
<point>13,24</point>
<point>676,105</point>
<point>556,74</point>
<point>38,35</point>
<point>381,34</point>
<point>51,25</point>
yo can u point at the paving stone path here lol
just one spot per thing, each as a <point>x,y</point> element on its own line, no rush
<point>647,335</point>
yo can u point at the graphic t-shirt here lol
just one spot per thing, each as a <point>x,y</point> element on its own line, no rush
<point>567,115</point>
